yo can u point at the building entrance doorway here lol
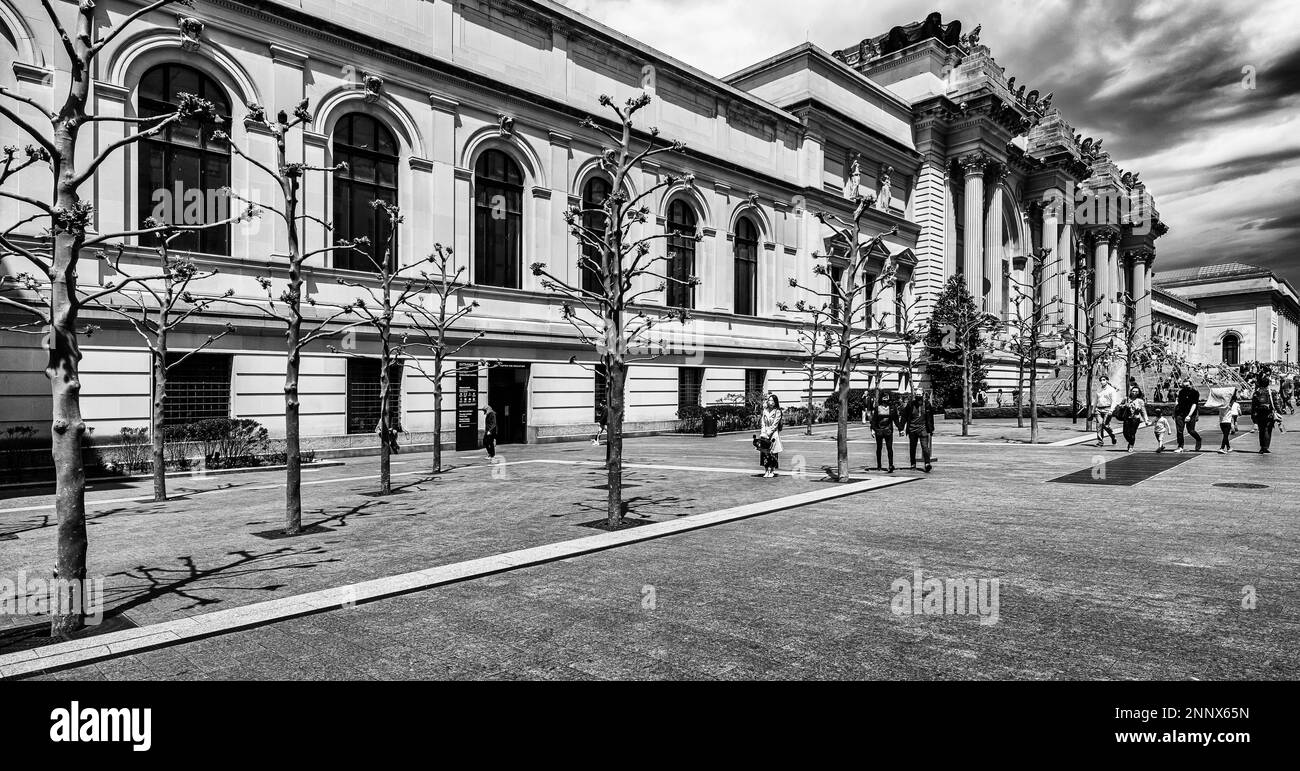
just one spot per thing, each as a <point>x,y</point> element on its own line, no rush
<point>508,395</point>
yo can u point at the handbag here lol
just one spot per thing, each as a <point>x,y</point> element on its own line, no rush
<point>775,442</point>
<point>762,443</point>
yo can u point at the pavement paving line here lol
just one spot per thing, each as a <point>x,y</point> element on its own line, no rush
<point>127,641</point>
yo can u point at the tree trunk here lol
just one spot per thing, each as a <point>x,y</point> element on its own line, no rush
<point>616,377</point>
<point>1020,390</point>
<point>158,419</point>
<point>811,374</point>
<point>437,413</point>
<point>385,428</point>
<point>842,429</point>
<point>1033,401</point>
<point>965,392</point>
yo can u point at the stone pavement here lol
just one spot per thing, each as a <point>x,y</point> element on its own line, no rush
<point>1135,582</point>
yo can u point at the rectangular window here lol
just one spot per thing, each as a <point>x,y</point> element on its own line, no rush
<point>690,382</point>
<point>363,395</point>
<point>755,380</point>
<point>198,388</point>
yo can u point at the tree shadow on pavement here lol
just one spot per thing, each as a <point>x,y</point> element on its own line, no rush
<point>200,585</point>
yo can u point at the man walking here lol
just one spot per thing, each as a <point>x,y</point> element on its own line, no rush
<point>1263,412</point>
<point>1187,408</point>
<point>1103,405</point>
<point>490,432</point>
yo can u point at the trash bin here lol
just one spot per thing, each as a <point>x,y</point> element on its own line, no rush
<point>710,424</point>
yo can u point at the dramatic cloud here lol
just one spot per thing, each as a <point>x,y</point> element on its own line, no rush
<point>1201,97</point>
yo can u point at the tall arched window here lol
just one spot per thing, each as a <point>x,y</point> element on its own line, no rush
<point>498,220</point>
<point>594,194</point>
<point>746,274</point>
<point>1231,348</point>
<point>182,170</point>
<point>370,151</point>
<point>681,254</point>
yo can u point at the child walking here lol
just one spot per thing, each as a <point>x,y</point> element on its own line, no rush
<point>1162,430</point>
<point>1228,422</point>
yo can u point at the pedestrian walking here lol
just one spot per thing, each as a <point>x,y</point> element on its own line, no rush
<point>884,417</point>
<point>1287,391</point>
<point>1103,405</point>
<point>1187,408</point>
<point>770,430</point>
<point>1162,429</point>
<point>1228,413</point>
<point>490,431</point>
<point>602,416</point>
<point>1263,413</point>
<point>917,419</point>
<point>1133,412</point>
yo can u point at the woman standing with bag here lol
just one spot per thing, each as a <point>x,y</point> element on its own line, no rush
<point>1135,416</point>
<point>1264,413</point>
<point>770,430</point>
<point>1228,413</point>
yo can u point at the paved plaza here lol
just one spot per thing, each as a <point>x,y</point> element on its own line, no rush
<point>1149,580</point>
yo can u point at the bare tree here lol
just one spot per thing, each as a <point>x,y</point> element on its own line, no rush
<point>287,308</point>
<point>59,143</point>
<point>1028,341</point>
<point>608,317</point>
<point>159,304</point>
<point>815,344</point>
<point>849,299</point>
<point>430,332</point>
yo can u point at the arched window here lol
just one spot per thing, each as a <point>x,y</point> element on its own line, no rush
<point>182,170</point>
<point>681,254</point>
<point>746,278</point>
<point>1231,348</point>
<point>498,221</point>
<point>594,194</point>
<point>370,151</point>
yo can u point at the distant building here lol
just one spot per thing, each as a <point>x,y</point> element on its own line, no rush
<point>1230,313</point>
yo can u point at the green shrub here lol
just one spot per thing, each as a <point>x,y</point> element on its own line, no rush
<point>857,403</point>
<point>222,442</point>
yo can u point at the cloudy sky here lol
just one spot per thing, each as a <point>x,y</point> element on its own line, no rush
<point>1198,96</point>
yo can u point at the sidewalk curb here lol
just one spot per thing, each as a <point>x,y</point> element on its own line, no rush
<point>174,474</point>
<point>91,649</point>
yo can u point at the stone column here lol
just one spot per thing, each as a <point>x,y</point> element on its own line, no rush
<point>1056,282</point>
<point>1142,287</point>
<point>1102,281</point>
<point>973,166</point>
<point>1065,251</point>
<point>993,251</point>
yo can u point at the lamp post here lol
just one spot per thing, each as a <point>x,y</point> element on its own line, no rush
<point>1081,279</point>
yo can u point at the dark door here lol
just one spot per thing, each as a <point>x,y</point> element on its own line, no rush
<point>508,395</point>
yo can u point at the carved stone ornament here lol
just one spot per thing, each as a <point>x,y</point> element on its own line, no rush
<point>191,32</point>
<point>505,124</point>
<point>373,85</point>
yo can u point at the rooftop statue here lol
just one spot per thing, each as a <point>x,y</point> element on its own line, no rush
<point>933,27</point>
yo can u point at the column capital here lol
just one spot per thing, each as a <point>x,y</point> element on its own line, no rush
<point>975,164</point>
<point>1142,255</point>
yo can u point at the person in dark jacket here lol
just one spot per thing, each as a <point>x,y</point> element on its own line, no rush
<point>917,419</point>
<point>490,431</point>
<point>884,417</point>
<point>1187,408</point>
<point>1263,412</point>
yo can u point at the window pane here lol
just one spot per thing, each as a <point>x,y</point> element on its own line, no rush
<point>363,132</point>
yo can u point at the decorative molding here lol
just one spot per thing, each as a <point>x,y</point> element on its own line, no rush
<point>191,30</point>
<point>313,139</point>
<point>285,55</point>
<point>420,164</point>
<point>443,103</point>
<point>111,91</point>
<point>975,164</point>
<point>461,173</point>
<point>709,232</point>
<point>558,139</point>
<point>541,192</point>
<point>30,73</point>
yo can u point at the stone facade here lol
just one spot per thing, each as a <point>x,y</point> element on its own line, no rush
<point>971,171</point>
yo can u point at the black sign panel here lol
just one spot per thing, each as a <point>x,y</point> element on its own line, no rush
<point>466,406</point>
